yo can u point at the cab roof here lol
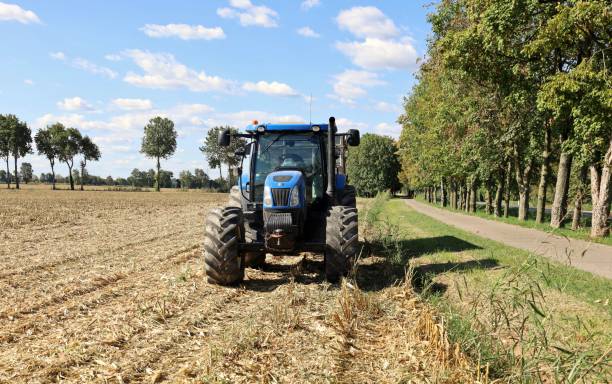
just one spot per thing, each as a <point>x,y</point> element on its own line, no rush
<point>287,127</point>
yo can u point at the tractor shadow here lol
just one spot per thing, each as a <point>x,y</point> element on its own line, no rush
<point>307,270</point>
<point>374,272</point>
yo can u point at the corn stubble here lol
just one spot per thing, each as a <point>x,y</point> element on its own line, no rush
<point>109,287</point>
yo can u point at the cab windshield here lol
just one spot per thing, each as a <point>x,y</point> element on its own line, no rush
<point>291,151</point>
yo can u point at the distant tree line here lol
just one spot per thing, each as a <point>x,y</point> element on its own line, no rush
<point>514,97</point>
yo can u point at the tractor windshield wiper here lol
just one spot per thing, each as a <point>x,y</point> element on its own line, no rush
<point>273,142</point>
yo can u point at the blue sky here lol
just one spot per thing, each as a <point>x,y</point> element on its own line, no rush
<point>107,67</point>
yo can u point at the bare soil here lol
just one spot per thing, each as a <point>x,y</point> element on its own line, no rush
<point>104,286</point>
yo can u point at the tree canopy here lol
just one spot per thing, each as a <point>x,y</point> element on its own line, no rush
<point>159,141</point>
<point>373,166</point>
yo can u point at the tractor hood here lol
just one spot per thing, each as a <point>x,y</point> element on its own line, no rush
<point>283,187</point>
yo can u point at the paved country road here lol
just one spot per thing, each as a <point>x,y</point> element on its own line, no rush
<point>592,257</point>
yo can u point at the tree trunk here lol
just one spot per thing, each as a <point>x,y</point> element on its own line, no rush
<point>499,192</point>
<point>53,172</point>
<point>473,192</point>
<point>544,171</point>
<point>8,173</point>
<point>157,177</point>
<point>220,174</point>
<point>83,164</point>
<point>489,202</point>
<point>456,195</point>
<point>522,179</point>
<point>577,216</point>
<point>442,193</point>
<point>600,194</point>
<point>559,207</point>
<point>435,194</point>
<point>508,179</point>
<point>16,173</point>
<point>70,175</point>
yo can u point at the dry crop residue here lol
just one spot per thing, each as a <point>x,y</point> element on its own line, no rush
<point>108,287</point>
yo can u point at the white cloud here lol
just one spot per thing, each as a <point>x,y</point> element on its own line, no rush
<point>350,85</point>
<point>112,57</point>
<point>74,104</point>
<point>381,47</point>
<point>183,31</point>
<point>133,104</point>
<point>307,32</point>
<point>383,106</point>
<point>13,12</point>
<point>84,65</point>
<point>163,71</point>
<point>308,4</point>
<point>375,53</point>
<point>90,67</point>
<point>57,55</point>
<point>394,130</point>
<point>274,88</point>
<point>345,124</point>
<point>249,14</point>
<point>28,82</point>
<point>367,22</point>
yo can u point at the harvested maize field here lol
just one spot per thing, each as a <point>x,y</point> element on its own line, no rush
<point>102,286</point>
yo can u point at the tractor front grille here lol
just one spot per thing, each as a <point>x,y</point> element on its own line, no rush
<point>280,196</point>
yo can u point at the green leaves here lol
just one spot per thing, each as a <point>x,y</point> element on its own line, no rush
<point>373,166</point>
<point>159,140</point>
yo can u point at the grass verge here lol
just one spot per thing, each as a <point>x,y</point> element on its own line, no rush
<point>524,317</point>
<point>583,233</point>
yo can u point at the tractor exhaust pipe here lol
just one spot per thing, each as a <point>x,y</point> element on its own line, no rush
<point>331,161</point>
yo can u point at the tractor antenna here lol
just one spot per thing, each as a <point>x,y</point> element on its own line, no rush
<point>310,110</point>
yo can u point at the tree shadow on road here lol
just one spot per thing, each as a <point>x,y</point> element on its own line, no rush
<point>389,265</point>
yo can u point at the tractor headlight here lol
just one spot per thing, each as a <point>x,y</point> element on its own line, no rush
<point>295,196</point>
<point>267,197</point>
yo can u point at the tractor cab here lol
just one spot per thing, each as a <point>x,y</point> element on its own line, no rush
<point>290,186</point>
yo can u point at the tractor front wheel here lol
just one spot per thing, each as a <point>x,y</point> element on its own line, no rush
<point>341,238</point>
<point>222,261</point>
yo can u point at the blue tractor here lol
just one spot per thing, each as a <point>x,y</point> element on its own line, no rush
<point>292,196</point>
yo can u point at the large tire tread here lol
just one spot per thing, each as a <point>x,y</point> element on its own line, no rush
<point>222,261</point>
<point>342,242</point>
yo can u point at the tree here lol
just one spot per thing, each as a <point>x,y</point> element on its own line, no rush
<point>217,155</point>
<point>373,166</point>
<point>90,151</point>
<point>5,146</point>
<point>159,142</point>
<point>68,145</point>
<point>20,140</point>
<point>26,172</point>
<point>186,179</point>
<point>47,144</point>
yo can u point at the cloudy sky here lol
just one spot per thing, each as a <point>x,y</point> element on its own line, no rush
<point>107,67</point>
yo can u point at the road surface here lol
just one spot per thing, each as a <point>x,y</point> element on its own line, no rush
<point>588,256</point>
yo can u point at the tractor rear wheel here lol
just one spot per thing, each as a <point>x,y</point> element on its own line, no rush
<point>222,260</point>
<point>341,238</point>
<point>235,200</point>
<point>349,197</point>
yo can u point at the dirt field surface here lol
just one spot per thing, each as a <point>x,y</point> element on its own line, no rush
<point>108,287</point>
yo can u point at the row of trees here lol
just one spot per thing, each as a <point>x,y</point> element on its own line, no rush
<point>55,142</point>
<point>513,95</point>
<point>58,143</point>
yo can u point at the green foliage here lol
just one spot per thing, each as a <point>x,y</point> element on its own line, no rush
<point>159,140</point>
<point>217,155</point>
<point>26,172</point>
<point>373,166</point>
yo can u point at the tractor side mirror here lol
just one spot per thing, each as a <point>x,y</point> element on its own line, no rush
<point>224,138</point>
<point>353,137</point>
